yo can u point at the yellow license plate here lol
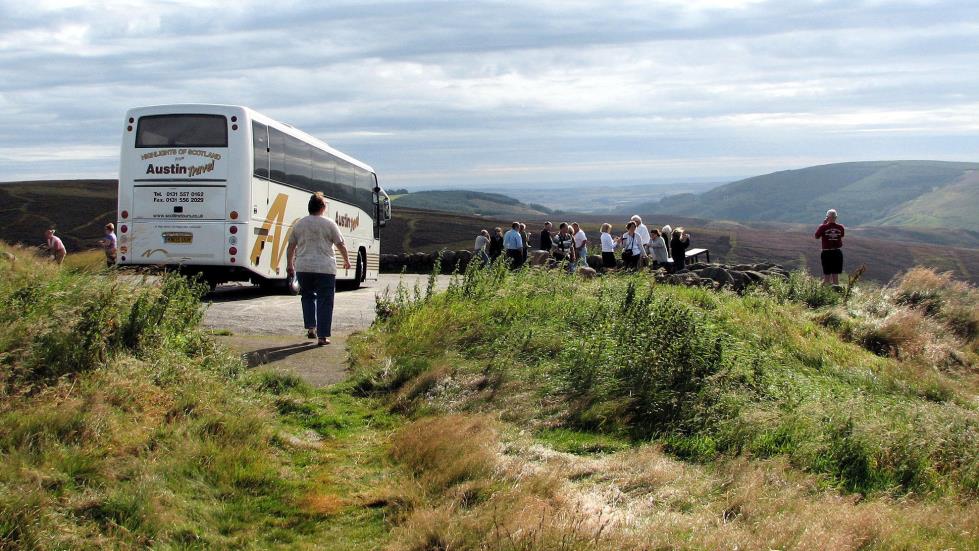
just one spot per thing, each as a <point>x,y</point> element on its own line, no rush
<point>178,238</point>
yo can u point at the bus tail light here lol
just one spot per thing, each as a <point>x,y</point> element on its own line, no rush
<point>125,214</point>
<point>233,251</point>
<point>234,215</point>
<point>123,228</point>
<point>233,230</point>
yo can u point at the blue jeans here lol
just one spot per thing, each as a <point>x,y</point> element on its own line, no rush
<point>483,257</point>
<point>317,299</point>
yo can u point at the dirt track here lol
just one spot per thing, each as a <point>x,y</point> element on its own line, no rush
<point>267,330</point>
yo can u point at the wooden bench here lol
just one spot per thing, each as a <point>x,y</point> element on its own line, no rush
<point>694,254</point>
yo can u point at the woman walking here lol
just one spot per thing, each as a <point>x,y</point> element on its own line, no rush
<point>310,256</point>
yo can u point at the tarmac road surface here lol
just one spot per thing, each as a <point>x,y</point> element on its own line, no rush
<point>267,330</point>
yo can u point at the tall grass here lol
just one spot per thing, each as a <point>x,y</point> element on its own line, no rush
<point>707,374</point>
<point>122,425</point>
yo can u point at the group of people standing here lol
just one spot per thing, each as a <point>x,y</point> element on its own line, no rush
<point>639,245</point>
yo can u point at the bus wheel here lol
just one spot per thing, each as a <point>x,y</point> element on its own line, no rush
<point>361,273</point>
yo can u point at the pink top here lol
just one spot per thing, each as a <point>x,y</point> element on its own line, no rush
<point>55,244</point>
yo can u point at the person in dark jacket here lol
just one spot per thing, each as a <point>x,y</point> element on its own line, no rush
<point>545,238</point>
<point>496,244</point>
<point>678,248</point>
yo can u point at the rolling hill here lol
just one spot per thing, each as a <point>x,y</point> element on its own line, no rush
<point>79,209</point>
<point>468,202</point>
<point>932,194</point>
<point>791,246</point>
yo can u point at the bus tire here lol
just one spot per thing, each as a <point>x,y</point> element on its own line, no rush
<point>361,273</point>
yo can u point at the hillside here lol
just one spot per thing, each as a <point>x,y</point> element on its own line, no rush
<point>791,246</point>
<point>616,414</point>
<point>611,413</point>
<point>468,202</point>
<point>880,193</point>
<point>80,208</point>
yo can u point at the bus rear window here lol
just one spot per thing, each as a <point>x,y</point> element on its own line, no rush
<point>182,131</point>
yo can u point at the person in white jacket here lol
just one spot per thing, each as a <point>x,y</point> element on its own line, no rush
<point>660,252</point>
<point>643,232</point>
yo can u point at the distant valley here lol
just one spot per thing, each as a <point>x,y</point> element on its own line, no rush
<point>911,194</point>
<point>468,202</point>
<point>591,197</point>
<point>431,220</point>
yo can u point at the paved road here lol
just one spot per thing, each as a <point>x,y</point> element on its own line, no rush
<point>267,330</point>
<point>248,309</point>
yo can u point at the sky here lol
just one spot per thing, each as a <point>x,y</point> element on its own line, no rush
<point>476,94</point>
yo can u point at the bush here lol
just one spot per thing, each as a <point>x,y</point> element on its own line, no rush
<point>955,303</point>
<point>650,363</point>
<point>802,287</point>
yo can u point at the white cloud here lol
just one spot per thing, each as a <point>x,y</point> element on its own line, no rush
<point>490,90</point>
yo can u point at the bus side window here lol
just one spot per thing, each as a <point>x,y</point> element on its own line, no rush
<point>261,143</point>
<point>324,174</point>
<point>277,155</point>
<point>365,190</point>
<point>346,182</point>
<point>298,171</point>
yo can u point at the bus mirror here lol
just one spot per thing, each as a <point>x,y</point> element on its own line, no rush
<point>386,206</point>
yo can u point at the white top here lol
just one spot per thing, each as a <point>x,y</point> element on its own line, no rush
<point>579,239</point>
<point>481,242</point>
<point>633,243</point>
<point>643,232</point>
<point>660,252</point>
<point>314,238</point>
<point>608,244</point>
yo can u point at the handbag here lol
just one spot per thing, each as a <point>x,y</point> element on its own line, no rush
<point>627,253</point>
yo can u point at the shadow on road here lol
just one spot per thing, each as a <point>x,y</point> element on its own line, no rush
<point>264,356</point>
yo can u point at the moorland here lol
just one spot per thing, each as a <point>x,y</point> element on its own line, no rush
<point>611,413</point>
<point>79,208</point>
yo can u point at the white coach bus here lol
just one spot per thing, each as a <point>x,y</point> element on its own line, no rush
<point>215,190</point>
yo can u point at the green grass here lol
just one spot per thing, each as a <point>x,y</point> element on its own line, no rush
<point>122,425</point>
<point>706,374</point>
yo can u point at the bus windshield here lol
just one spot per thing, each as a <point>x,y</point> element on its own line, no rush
<point>182,131</point>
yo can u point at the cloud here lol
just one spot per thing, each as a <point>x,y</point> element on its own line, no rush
<point>495,91</point>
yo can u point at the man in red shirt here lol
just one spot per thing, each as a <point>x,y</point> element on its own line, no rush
<point>831,235</point>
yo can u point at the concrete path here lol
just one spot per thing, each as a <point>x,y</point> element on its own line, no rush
<point>267,330</point>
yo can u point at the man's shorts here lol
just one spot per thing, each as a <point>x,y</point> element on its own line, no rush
<point>832,261</point>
